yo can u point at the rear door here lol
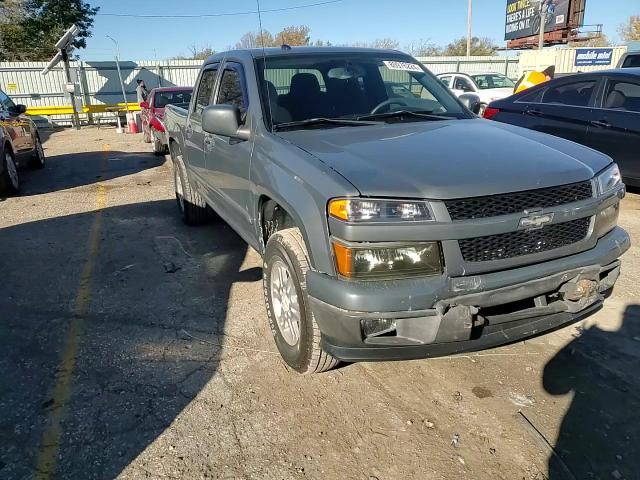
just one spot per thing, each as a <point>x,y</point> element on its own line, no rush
<point>615,128</point>
<point>565,109</point>
<point>18,125</point>
<point>228,160</point>
<point>193,134</point>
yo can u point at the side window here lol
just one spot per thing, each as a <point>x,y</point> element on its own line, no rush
<point>231,91</point>
<point>463,84</point>
<point>446,80</point>
<point>631,61</point>
<point>532,97</point>
<point>575,94</point>
<point>622,95</point>
<point>5,101</point>
<point>205,89</point>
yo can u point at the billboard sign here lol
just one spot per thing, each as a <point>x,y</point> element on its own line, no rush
<point>523,17</point>
<point>588,57</point>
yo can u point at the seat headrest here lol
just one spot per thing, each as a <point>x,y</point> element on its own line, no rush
<point>615,99</point>
<point>304,84</point>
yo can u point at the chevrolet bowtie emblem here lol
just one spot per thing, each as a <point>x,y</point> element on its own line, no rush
<point>533,222</point>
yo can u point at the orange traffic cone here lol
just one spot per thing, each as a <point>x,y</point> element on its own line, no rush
<point>131,123</point>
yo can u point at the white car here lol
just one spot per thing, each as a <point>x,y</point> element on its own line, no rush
<point>489,86</point>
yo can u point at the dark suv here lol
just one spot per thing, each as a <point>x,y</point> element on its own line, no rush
<point>20,144</point>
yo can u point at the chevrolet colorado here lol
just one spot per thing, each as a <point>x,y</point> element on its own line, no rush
<point>392,222</point>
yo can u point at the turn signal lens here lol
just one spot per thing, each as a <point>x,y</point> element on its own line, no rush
<point>373,210</point>
<point>387,262</point>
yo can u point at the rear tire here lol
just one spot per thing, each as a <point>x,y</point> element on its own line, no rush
<point>158,147</point>
<point>9,180</point>
<point>292,323</point>
<point>38,160</point>
<point>193,209</point>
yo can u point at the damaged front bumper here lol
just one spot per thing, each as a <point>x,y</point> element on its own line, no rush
<point>436,316</point>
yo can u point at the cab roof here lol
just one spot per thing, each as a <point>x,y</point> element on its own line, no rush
<point>253,53</point>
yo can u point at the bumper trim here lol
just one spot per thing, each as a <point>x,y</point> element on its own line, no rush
<point>512,332</point>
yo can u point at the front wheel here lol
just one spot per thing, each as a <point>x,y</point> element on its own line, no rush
<point>158,147</point>
<point>293,326</point>
<point>9,180</point>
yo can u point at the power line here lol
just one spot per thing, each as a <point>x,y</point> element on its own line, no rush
<point>229,14</point>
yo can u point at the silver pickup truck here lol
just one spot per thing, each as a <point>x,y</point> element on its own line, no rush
<point>393,223</point>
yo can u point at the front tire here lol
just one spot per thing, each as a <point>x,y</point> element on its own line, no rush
<point>158,147</point>
<point>192,207</point>
<point>9,180</point>
<point>292,323</point>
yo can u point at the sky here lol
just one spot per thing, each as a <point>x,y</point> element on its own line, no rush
<point>343,22</point>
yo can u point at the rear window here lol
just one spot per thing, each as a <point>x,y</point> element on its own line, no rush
<point>632,61</point>
<point>162,99</point>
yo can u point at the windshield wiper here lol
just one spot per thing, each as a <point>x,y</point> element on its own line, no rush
<point>422,114</point>
<point>312,122</point>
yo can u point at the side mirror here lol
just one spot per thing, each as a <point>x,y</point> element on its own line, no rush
<point>144,105</point>
<point>18,109</point>
<point>224,120</point>
<point>471,101</point>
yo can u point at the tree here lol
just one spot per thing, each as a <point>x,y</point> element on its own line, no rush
<point>423,48</point>
<point>630,30</point>
<point>293,35</point>
<point>30,28</point>
<point>196,53</point>
<point>479,46</point>
<point>388,43</point>
<point>599,41</point>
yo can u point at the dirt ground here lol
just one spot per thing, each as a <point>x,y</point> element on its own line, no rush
<point>136,347</point>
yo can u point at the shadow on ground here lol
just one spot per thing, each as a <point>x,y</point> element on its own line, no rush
<point>78,169</point>
<point>600,434</point>
<point>157,288</point>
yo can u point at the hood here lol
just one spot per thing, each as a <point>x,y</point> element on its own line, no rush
<point>448,159</point>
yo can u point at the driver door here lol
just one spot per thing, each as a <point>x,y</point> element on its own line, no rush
<point>18,125</point>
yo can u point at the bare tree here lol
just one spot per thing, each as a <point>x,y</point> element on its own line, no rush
<point>479,47</point>
<point>423,48</point>
<point>388,43</point>
<point>598,41</point>
<point>630,30</point>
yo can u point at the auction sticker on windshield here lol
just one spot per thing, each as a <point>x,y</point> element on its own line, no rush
<point>407,67</point>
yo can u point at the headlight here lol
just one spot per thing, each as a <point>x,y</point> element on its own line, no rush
<point>608,180</point>
<point>381,210</point>
<point>387,261</point>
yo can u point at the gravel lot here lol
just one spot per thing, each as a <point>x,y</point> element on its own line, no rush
<point>136,347</point>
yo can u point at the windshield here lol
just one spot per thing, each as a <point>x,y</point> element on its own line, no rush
<point>162,99</point>
<point>349,86</point>
<point>493,80</point>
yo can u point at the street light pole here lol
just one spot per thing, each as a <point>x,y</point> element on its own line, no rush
<point>469,12</point>
<point>543,22</point>
<point>124,95</point>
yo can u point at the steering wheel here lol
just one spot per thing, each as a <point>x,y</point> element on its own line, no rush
<point>390,101</point>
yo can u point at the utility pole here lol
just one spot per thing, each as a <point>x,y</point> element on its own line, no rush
<point>469,14</point>
<point>124,94</point>
<point>543,23</point>
<point>67,78</point>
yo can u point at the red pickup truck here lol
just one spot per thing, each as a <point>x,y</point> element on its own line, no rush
<point>153,113</point>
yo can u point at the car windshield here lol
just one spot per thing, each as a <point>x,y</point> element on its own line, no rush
<point>349,86</point>
<point>493,80</point>
<point>162,99</point>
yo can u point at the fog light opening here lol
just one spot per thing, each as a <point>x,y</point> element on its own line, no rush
<point>378,327</point>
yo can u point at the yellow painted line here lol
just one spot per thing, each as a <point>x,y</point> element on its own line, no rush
<point>50,443</point>
<point>68,110</point>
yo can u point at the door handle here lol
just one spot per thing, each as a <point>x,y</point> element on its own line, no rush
<point>533,111</point>
<point>600,123</point>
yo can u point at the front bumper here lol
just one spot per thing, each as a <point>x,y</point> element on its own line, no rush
<point>443,315</point>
